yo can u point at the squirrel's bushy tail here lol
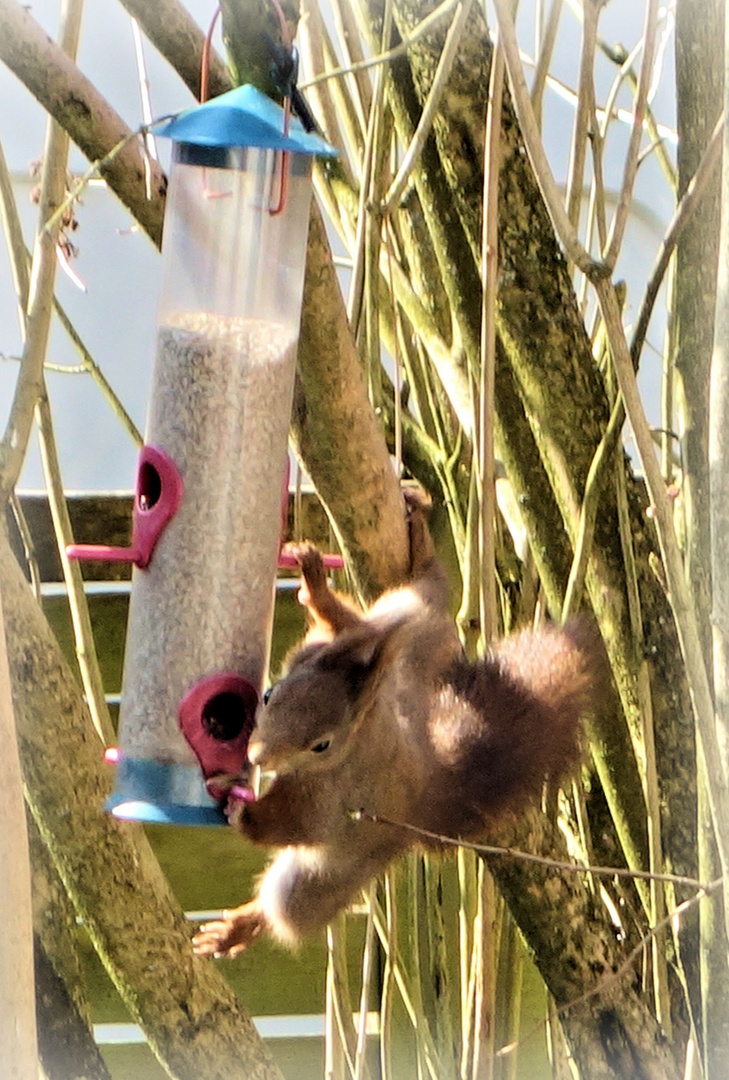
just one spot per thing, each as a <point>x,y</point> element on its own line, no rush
<point>523,707</point>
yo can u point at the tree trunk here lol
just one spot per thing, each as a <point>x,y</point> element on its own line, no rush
<point>610,1027</point>
<point>699,103</point>
<point>17,995</point>
<point>66,1044</point>
<point>338,435</point>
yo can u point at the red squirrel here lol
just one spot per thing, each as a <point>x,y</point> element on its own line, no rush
<point>381,712</point>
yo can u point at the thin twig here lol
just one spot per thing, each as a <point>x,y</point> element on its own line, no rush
<point>30,379</point>
<point>467,913</point>
<point>150,149</point>
<point>620,220</point>
<point>36,297</point>
<point>20,260</point>
<point>26,538</point>
<point>338,980</point>
<point>424,27</point>
<point>417,1019</point>
<point>90,367</point>
<point>527,856</point>
<point>435,96</point>
<point>12,228</point>
<point>650,769</point>
<point>606,981</point>
<point>351,46</point>
<point>374,126</point>
<point>368,959</point>
<point>718,457</point>
<point>52,187</point>
<point>584,113</point>
<point>659,133</point>
<point>95,170</point>
<point>487,404</point>
<point>656,131</point>
<point>315,46</point>
<point>78,606</point>
<point>537,155</point>
<point>683,213</point>
<point>588,512</point>
<point>544,59</point>
<point>449,362</point>
<point>388,977</point>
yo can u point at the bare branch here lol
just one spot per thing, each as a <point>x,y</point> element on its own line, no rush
<point>544,59</point>
<point>682,215</point>
<point>585,112</point>
<point>82,111</point>
<point>533,142</point>
<point>176,36</point>
<point>678,590</point>
<point>617,230</point>
<point>487,394</point>
<point>440,79</point>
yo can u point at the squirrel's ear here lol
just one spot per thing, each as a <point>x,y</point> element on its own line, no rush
<point>356,652</point>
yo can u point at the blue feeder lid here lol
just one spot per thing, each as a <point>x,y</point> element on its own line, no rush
<point>243,117</point>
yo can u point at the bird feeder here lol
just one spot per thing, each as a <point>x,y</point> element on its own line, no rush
<point>214,465</point>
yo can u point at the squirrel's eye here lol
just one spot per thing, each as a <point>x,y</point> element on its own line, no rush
<point>320,747</point>
<point>266,695</point>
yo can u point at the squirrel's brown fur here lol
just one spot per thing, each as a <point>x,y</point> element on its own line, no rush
<point>381,712</point>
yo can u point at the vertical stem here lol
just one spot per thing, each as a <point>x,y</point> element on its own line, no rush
<point>719,451</point>
<point>585,112</point>
<point>508,994</point>
<point>650,771</point>
<point>667,381</point>
<point>40,288</point>
<point>37,330</point>
<point>388,978</point>
<point>333,1038</point>
<point>368,959</point>
<point>17,993</point>
<point>344,1045</point>
<point>467,873</point>
<point>532,140</point>
<point>374,126</point>
<point>488,946</point>
<point>489,281</point>
<point>678,590</point>
<point>544,59</point>
<point>617,230</point>
<point>83,634</point>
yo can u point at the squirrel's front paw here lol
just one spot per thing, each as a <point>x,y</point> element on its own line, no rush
<point>229,936</point>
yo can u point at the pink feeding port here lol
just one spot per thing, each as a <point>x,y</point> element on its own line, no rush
<point>217,717</point>
<point>157,500</point>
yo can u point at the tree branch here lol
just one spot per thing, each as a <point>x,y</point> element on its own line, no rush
<point>73,101</point>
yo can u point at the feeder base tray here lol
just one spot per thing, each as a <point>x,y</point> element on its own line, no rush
<point>162,794</point>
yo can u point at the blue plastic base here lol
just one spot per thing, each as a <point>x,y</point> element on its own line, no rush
<point>149,790</point>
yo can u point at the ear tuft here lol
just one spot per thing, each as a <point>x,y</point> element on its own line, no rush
<point>355,652</point>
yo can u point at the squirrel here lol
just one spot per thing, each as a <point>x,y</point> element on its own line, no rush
<point>381,716</point>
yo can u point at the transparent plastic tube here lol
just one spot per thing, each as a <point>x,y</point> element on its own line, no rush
<point>220,408</point>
